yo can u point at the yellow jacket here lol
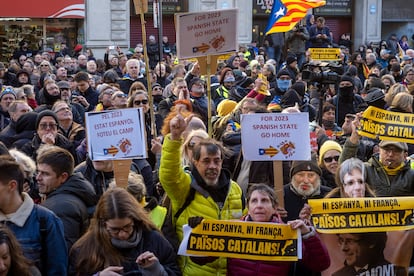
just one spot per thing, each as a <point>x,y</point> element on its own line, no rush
<point>176,183</point>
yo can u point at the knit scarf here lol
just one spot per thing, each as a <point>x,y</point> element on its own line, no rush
<point>394,171</point>
<point>130,243</point>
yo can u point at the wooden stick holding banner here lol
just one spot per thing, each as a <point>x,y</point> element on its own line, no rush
<point>121,171</point>
<point>207,65</point>
<point>278,182</point>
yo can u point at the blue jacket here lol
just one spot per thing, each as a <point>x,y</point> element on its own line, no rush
<point>46,247</point>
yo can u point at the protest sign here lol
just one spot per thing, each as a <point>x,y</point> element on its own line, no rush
<point>275,136</point>
<point>116,134</point>
<point>377,123</point>
<point>242,239</point>
<point>357,215</point>
<point>327,54</point>
<point>206,33</point>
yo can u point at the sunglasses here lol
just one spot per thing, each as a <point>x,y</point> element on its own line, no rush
<point>121,95</point>
<point>138,102</point>
<point>45,126</point>
<point>157,88</point>
<point>330,159</point>
<point>44,65</point>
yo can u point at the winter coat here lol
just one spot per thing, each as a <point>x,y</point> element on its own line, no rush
<point>70,202</point>
<point>295,202</point>
<point>100,180</point>
<point>40,234</point>
<point>401,184</point>
<point>151,241</point>
<point>31,148</point>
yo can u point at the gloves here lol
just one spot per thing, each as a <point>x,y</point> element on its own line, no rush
<point>194,221</point>
<point>203,260</point>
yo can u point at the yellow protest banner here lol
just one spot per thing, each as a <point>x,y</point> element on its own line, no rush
<point>325,53</point>
<point>246,240</point>
<point>359,215</point>
<point>377,123</point>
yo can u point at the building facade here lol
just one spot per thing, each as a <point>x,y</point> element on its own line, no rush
<point>97,24</point>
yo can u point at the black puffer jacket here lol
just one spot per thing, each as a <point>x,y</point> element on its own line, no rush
<point>100,180</point>
<point>61,141</point>
<point>70,202</point>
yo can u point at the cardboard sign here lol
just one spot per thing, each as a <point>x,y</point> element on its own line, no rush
<point>206,33</point>
<point>377,123</point>
<point>242,239</point>
<point>325,53</point>
<point>275,136</point>
<point>357,215</point>
<point>116,134</point>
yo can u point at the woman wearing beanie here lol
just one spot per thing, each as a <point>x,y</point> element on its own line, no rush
<point>328,162</point>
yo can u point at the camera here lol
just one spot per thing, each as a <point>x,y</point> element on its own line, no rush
<point>329,73</point>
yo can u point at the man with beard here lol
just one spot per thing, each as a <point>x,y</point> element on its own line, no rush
<point>346,101</point>
<point>214,194</point>
<point>305,184</point>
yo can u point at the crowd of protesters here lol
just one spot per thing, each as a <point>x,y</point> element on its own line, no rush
<point>69,217</point>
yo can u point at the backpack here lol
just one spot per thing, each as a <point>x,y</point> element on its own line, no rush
<point>168,228</point>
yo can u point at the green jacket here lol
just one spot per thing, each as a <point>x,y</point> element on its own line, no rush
<point>176,183</point>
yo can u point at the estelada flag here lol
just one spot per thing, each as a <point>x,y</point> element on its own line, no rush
<point>286,13</point>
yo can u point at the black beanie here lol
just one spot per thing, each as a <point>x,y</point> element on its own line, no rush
<point>290,59</point>
<point>46,113</point>
<point>309,165</point>
<point>283,72</point>
<point>346,77</point>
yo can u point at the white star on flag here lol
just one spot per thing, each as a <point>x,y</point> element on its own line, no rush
<point>280,12</point>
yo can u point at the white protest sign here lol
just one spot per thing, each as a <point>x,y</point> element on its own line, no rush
<point>275,136</point>
<point>206,33</point>
<point>116,134</point>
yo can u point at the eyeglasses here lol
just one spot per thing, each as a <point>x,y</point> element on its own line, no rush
<point>330,159</point>
<point>45,126</point>
<point>342,241</point>
<point>138,102</point>
<point>126,229</point>
<point>157,88</point>
<point>44,65</point>
<point>392,150</point>
<point>66,108</point>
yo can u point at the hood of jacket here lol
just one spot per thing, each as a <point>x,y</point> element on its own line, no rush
<point>78,186</point>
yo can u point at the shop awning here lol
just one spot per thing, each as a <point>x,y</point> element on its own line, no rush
<point>43,8</point>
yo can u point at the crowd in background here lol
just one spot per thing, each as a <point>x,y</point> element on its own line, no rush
<point>44,98</point>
